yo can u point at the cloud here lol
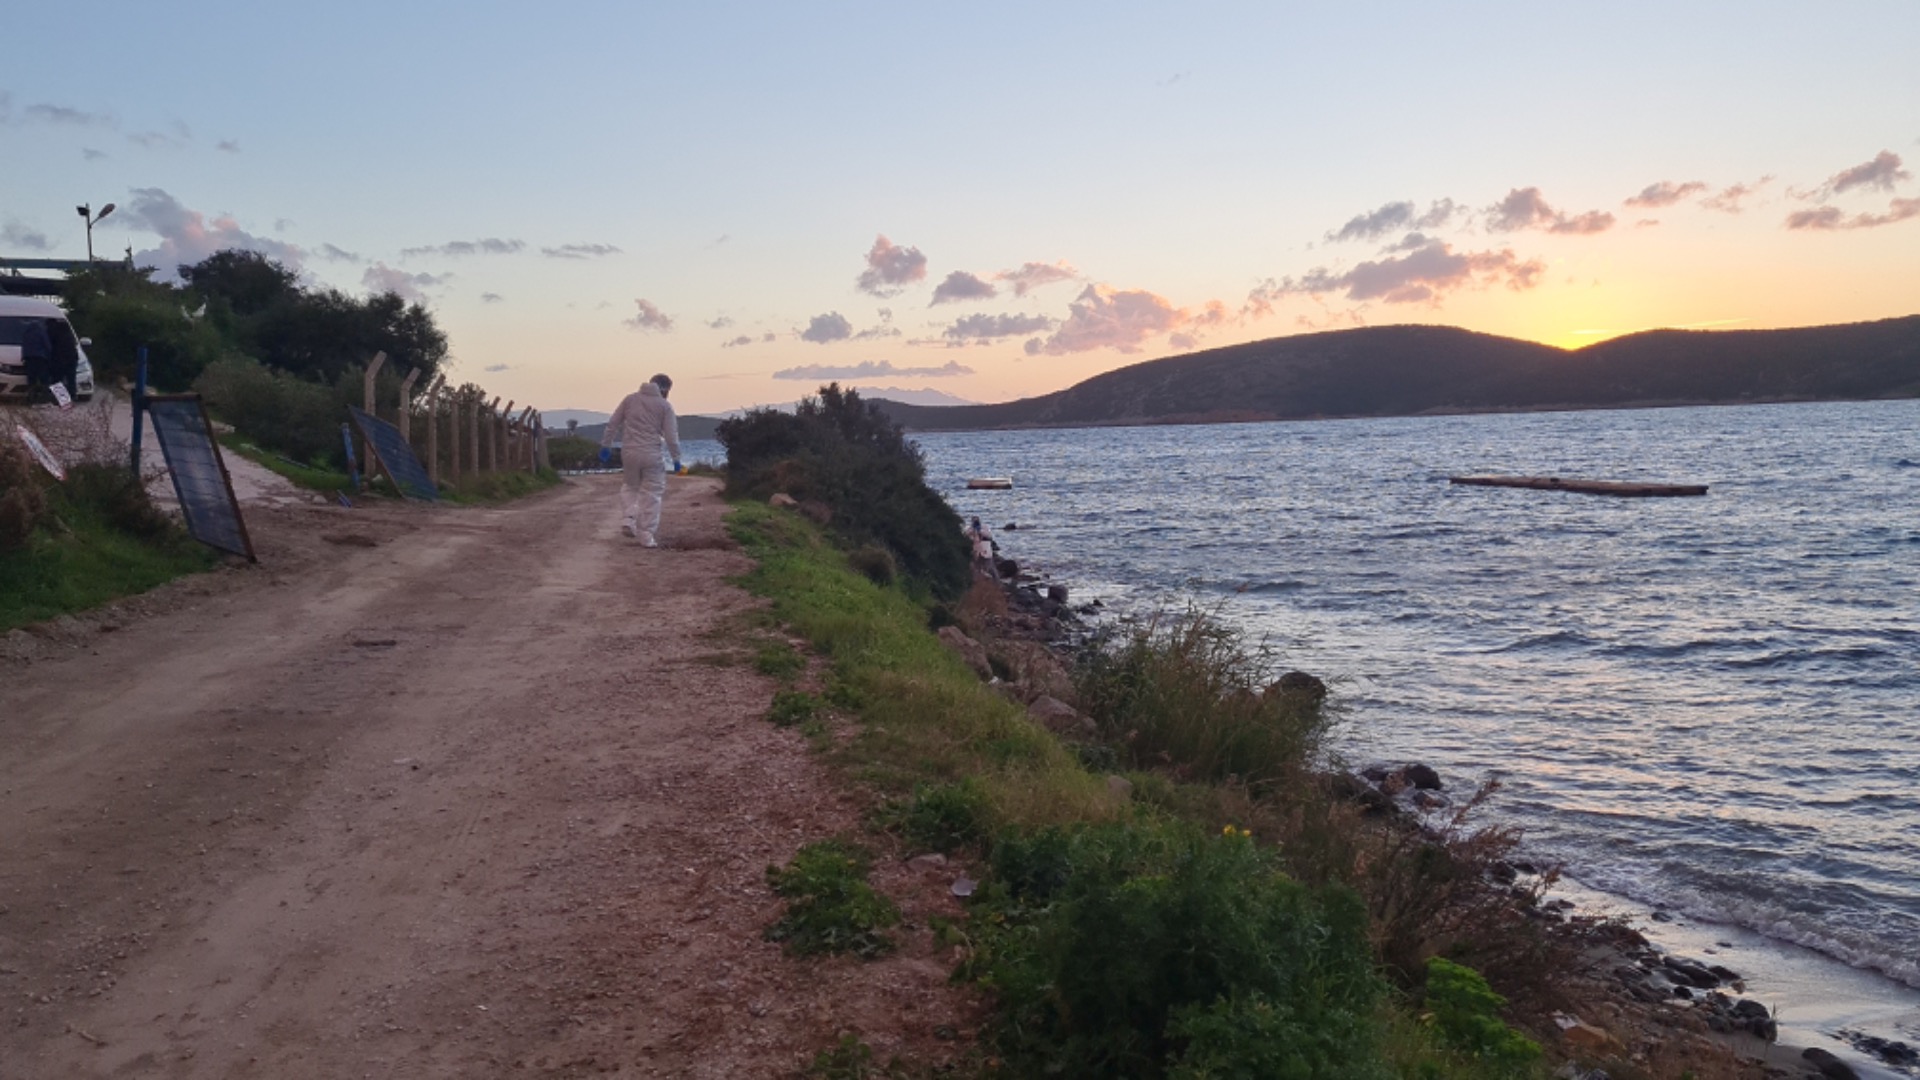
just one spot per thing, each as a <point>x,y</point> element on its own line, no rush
<point>960,286</point>
<point>231,146</point>
<point>1525,208</point>
<point>871,369</point>
<point>743,339</point>
<point>720,322</point>
<point>580,251</point>
<point>381,278</point>
<point>832,326</point>
<point>1882,173</point>
<point>462,248</point>
<point>1393,217</point>
<point>336,254</point>
<point>1827,218</point>
<point>1033,275</point>
<point>890,269</point>
<point>648,318</point>
<point>984,328</point>
<point>90,154</point>
<point>492,298</point>
<point>61,114</point>
<point>1729,200</point>
<point>1106,318</point>
<point>20,236</point>
<point>187,236</point>
<point>153,139</point>
<point>1425,274</point>
<point>496,368</point>
<point>1664,193</point>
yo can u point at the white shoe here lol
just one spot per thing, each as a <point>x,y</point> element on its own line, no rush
<point>628,529</point>
<point>649,541</point>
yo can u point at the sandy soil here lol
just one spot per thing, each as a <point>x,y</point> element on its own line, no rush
<point>429,792</point>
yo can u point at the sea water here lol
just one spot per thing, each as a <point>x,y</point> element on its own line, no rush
<point>1707,706</point>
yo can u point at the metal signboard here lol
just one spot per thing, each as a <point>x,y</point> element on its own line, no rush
<point>199,475</point>
<point>395,456</point>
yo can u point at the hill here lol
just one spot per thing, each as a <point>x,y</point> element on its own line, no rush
<point>691,427</point>
<point>1409,370</point>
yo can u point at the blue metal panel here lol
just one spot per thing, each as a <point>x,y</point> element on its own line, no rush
<point>199,475</point>
<point>395,456</point>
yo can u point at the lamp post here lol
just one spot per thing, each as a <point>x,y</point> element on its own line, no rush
<point>85,210</point>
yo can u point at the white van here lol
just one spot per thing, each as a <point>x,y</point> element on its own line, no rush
<point>15,313</point>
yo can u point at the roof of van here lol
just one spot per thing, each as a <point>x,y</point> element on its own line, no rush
<point>27,305</point>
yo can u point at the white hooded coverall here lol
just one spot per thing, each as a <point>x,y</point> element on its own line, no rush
<point>641,423</point>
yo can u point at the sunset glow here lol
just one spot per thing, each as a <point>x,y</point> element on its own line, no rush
<point>760,197</point>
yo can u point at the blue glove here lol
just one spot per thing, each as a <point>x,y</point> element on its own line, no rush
<point>677,467</point>
<point>606,454</point>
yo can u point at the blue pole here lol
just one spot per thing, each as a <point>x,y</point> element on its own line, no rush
<point>353,470</point>
<point>139,403</point>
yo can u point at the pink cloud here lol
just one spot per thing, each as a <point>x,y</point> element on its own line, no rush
<point>1526,208</point>
<point>1122,320</point>
<point>1829,218</point>
<point>1665,193</point>
<point>188,236</point>
<point>890,268</point>
<point>1883,172</point>
<point>1033,275</point>
<point>1729,200</point>
<point>648,317</point>
<point>961,286</point>
<point>1425,274</point>
<point>381,278</point>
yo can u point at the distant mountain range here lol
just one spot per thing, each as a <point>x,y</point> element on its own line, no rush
<point>691,427</point>
<point>1411,370</point>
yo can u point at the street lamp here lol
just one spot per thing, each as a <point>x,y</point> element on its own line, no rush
<point>86,211</point>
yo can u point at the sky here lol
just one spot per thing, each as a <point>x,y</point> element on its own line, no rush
<point>990,200</point>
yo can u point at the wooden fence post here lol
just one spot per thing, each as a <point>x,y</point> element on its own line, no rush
<point>433,428</point>
<point>506,439</point>
<point>526,438</point>
<point>405,420</point>
<point>473,435</point>
<point>543,459</point>
<point>454,400</point>
<point>368,462</point>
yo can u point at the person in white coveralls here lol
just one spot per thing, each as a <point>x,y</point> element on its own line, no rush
<point>641,424</point>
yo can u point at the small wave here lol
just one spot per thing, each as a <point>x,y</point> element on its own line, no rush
<point>1541,641</point>
<point>1762,916</point>
<point>1801,656</point>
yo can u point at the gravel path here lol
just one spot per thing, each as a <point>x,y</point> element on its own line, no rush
<point>430,792</point>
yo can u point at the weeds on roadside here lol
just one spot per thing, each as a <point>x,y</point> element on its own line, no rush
<point>830,906</point>
<point>1184,690</point>
<point>851,1059</point>
<point>792,708</point>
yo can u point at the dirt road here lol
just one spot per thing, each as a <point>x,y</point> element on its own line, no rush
<point>429,793</point>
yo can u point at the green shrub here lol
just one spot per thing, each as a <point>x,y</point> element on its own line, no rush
<point>792,707</point>
<point>116,495</point>
<point>845,453</point>
<point>850,1059</point>
<point>1129,950</point>
<point>1466,1013</point>
<point>281,412</point>
<point>778,660</point>
<point>1185,688</point>
<point>830,906</point>
<point>23,501</point>
<point>944,817</point>
<point>874,562</point>
<point>572,452</point>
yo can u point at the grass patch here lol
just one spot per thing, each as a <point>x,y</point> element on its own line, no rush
<point>1126,932</point>
<point>97,539</point>
<point>486,489</point>
<point>830,906</point>
<point>792,708</point>
<point>310,477</point>
<point>778,660</point>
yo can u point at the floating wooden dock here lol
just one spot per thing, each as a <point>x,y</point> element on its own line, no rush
<point>1621,488</point>
<point>990,483</point>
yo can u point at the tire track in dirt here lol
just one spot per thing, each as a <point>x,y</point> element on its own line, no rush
<point>471,801</point>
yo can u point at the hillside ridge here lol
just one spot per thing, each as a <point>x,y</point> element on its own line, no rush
<point>1423,369</point>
